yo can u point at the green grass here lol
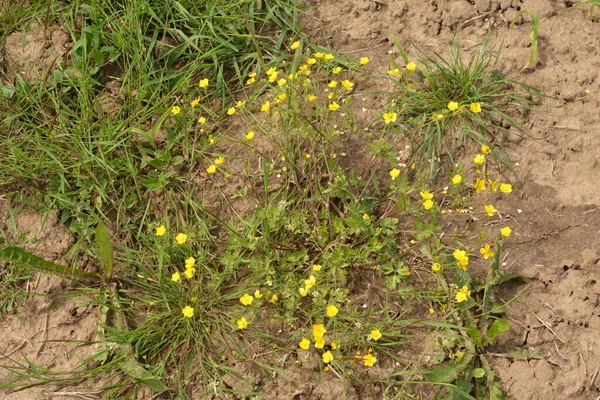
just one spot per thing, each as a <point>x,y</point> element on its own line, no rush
<point>350,251</point>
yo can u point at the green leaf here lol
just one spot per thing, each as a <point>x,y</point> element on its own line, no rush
<point>17,255</point>
<point>478,372</point>
<point>498,327</point>
<point>104,249</point>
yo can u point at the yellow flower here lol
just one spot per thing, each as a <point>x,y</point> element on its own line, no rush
<point>366,217</point>
<point>282,82</point>
<point>394,173</point>
<point>295,45</point>
<point>231,111</point>
<point>436,266</point>
<point>332,310</point>
<point>242,323</point>
<point>337,70</point>
<point>250,81</point>
<point>319,55</point>
<point>189,273</point>
<point>490,210</point>
<point>364,60</point>
<point>202,120</point>
<point>479,185</point>
<point>175,110</point>
<point>431,311</point>
<point>347,84</point>
<point>411,66</point>
<point>438,116</point>
<point>319,343</point>
<point>312,97</point>
<point>274,298</point>
<point>333,106</point>
<point>281,98</point>
<point>462,259</point>
<point>427,204</point>
<point>375,334</point>
<point>317,267</point>
<point>161,230</point>
<point>203,83</point>
<point>318,331</point>
<point>505,187</point>
<point>176,277</point>
<point>425,195</point>
<point>240,103</point>
<point>390,117</point>
<point>266,107</point>
<point>330,96</point>
<point>327,357</point>
<point>486,251</point>
<point>506,231</point>
<point>463,294</point>
<point>332,84</point>
<point>303,291</point>
<point>452,106</point>
<point>485,149</point>
<point>369,360</point>
<point>456,179</point>
<point>181,238</point>
<point>310,282</point>
<point>188,312</point>
<point>258,294</point>
<point>195,102</point>
<point>479,159</point>
<point>395,72</point>
<point>304,343</point>
<point>249,136</point>
<point>311,61</point>
<point>246,299</point>
<point>219,161</point>
<point>328,57</point>
<point>476,107</point>
<point>211,169</point>
<point>190,262</point>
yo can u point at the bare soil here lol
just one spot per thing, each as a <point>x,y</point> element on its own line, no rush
<point>554,210</point>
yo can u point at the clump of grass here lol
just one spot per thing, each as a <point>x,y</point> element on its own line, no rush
<point>448,102</point>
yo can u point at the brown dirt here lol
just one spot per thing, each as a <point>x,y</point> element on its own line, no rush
<point>555,206</point>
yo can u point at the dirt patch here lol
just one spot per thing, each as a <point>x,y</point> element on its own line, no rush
<point>34,53</point>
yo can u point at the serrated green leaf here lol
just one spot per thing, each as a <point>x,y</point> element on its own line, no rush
<point>104,249</point>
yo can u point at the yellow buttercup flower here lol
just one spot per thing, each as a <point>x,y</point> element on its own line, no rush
<point>456,179</point>
<point>242,323</point>
<point>328,57</point>
<point>281,98</point>
<point>190,262</point>
<point>317,267</point>
<point>333,106</point>
<point>337,70</point>
<point>479,159</point>
<point>303,291</point>
<point>485,149</point>
<point>312,97</point>
<point>479,185</point>
<point>452,106</point>
<point>364,60</point>
<point>304,344</point>
<point>375,334</point>
<point>486,252</point>
<point>258,294</point>
<point>390,117</point>
<point>436,267</point>
<point>189,273</point>
<point>266,107</point>
<point>219,161</point>
<point>327,357</point>
<point>369,360</point>
<point>331,311</point>
<point>411,66</point>
<point>463,294</point>
<point>506,231</point>
<point>332,84</point>
<point>202,120</point>
<point>505,187</point>
<point>475,107</point>
<point>246,299</point>
<point>161,230</point>
<point>188,312</point>
<point>181,238</point>
<point>318,331</point>
<point>175,110</point>
<point>203,83</point>
<point>211,169</point>
<point>395,72</point>
<point>319,343</point>
<point>176,277</point>
<point>310,282</point>
<point>394,173</point>
<point>231,111</point>
<point>490,210</point>
<point>427,204</point>
<point>249,136</point>
<point>195,102</point>
<point>282,82</point>
<point>346,84</point>
<point>295,45</point>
